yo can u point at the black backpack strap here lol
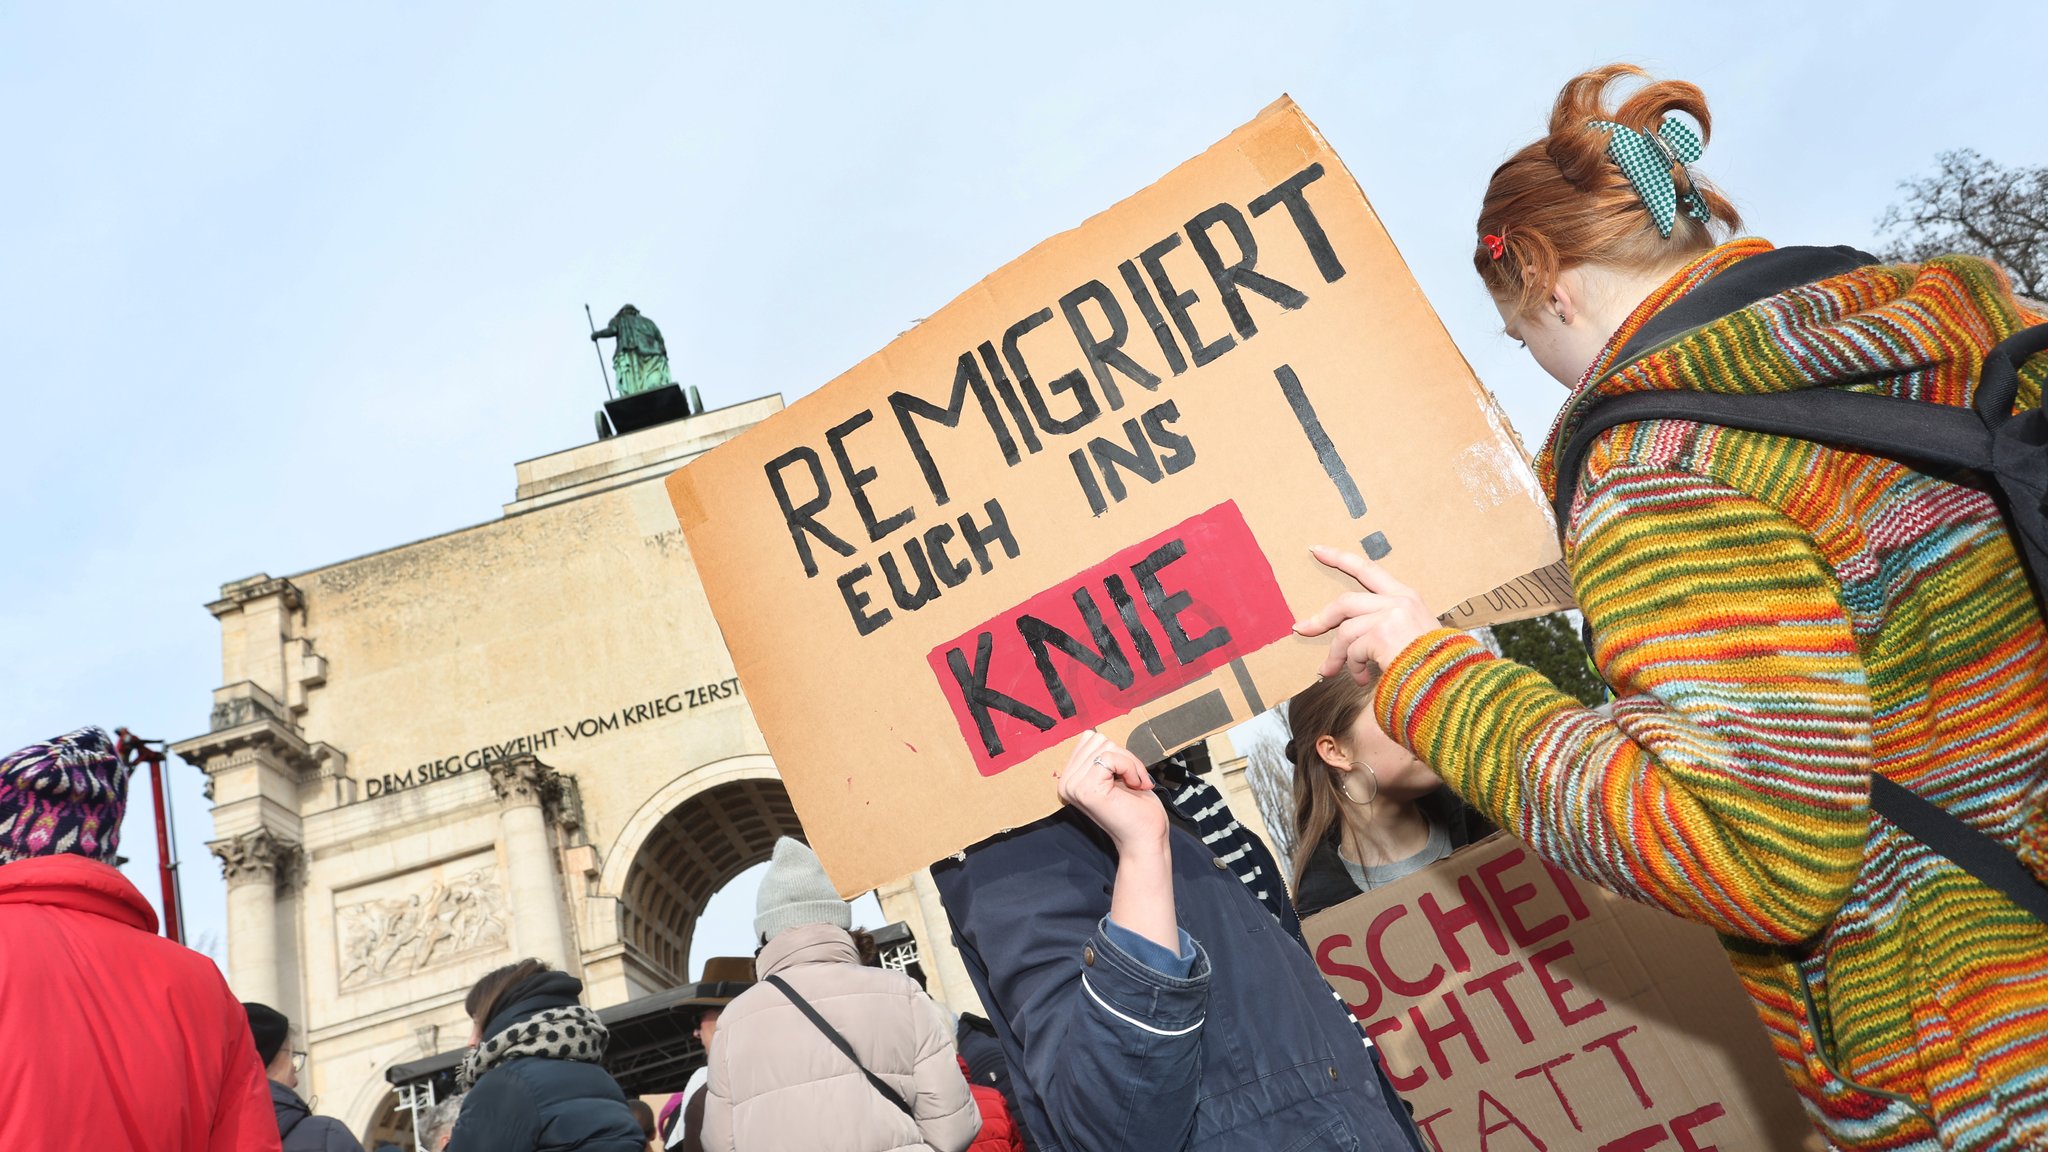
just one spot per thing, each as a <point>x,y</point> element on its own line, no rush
<point>839,1042</point>
<point>1941,437</point>
<point>1742,284</point>
<point>1967,848</point>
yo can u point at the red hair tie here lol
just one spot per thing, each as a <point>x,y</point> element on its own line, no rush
<point>1497,245</point>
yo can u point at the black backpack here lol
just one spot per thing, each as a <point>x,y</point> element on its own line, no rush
<point>1985,446</point>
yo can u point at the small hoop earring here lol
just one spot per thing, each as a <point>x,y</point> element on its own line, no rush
<point>1344,789</point>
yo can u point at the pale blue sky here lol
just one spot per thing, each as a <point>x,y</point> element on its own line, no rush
<point>285,285</point>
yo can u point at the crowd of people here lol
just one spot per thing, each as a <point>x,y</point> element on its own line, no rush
<point>1788,626</point>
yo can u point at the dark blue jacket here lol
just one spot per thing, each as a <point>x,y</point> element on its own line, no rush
<point>1249,1051</point>
<point>541,1103</point>
<point>302,1131</point>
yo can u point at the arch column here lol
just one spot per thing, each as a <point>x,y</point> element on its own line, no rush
<point>538,917</point>
<point>252,864</point>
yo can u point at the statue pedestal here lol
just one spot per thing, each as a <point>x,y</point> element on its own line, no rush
<point>645,410</point>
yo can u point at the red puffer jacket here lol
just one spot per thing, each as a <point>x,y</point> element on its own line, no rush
<point>115,1036</point>
<point>998,1132</point>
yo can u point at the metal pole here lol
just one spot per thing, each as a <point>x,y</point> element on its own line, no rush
<point>601,369</point>
<point>172,929</point>
<point>134,751</point>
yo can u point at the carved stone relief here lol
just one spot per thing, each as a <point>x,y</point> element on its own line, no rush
<point>396,937</point>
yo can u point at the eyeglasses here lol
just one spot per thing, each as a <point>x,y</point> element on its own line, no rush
<point>298,1061</point>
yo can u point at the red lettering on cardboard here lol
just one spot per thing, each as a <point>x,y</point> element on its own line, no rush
<point>1544,1070</point>
<point>1154,617</point>
<point>1375,934</point>
<point>1402,1081</point>
<point>1568,887</point>
<point>1555,986</point>
<point>1683,1126</point>
<point>1507,898</point>
<point>1434,1036</point>
<point>1424,1122</point>
<point>1612,1043</point>
<point>1449,922</point>
<point>1508,1120</point>
<point>1495,983</point>
<point>1640,1140</point>
<point>1329,966</point>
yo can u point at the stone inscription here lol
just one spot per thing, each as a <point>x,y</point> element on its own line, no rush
<point>386,939</point>
<point>558,736</point>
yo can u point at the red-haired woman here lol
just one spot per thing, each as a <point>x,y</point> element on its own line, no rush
<point>1781,621</point>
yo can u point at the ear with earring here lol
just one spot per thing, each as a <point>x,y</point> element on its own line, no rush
<point>1344,783</point>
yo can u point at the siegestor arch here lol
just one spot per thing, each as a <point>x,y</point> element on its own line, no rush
<point>685,843</point>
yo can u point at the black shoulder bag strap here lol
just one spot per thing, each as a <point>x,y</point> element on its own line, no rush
<point>1942,440</point>
<point>839,1042</point>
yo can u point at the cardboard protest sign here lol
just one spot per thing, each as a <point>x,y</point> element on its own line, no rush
<point>1081,495</point>
<point>1539,593</point>
<point>1519,1007</point>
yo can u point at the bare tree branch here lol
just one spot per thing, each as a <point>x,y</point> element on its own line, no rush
<point>1272,781</point>
<point>1973,205</point>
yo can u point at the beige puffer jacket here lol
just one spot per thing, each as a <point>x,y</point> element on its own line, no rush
<point>778,1085</point>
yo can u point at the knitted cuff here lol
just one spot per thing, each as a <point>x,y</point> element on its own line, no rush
<point>1409,700</point>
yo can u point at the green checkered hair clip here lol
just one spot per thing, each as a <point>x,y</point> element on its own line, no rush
<point>1649,163</point>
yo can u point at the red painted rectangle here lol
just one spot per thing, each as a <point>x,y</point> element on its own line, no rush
<point>1152,618</point>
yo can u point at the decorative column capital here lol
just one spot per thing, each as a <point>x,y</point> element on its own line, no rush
<point>255,856</point>
<point>521,780</point>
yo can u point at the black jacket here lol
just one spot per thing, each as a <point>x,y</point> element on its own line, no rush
<point>1325,883</point>
<point>541,1103</point>
<point>304,1132</point>
<point>1249,1050</point>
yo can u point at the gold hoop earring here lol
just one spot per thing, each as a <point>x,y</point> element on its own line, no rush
<point>1344,789</point>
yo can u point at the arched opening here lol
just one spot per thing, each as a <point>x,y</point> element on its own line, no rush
<point>695,850</point>
<point>390,1124</point>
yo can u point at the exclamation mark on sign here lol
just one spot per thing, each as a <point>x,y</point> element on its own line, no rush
<point>1376,544</point>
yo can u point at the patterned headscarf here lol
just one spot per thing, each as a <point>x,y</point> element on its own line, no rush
<point>63,795</point>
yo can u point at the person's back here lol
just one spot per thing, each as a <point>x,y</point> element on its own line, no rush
<point>119,1038</point>
<point>778,1082</point>
<point>299,1128</point>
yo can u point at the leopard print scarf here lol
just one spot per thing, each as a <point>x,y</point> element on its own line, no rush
<point>570,1033</point>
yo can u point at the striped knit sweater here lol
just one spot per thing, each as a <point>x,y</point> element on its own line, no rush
<point>1778,620</point>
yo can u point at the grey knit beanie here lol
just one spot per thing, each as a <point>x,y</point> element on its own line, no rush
<point>795,892</point>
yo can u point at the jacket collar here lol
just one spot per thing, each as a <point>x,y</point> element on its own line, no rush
<point>284,1099</point>
<point>807,944</point>
<point>77,884</point>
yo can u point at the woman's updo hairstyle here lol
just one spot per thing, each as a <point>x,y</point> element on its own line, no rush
<point>1562,201</point>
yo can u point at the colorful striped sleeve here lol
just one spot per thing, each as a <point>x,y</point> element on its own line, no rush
<point>1731,785</point>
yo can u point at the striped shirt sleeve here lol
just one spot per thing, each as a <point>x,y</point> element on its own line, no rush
<point>1731,783</point>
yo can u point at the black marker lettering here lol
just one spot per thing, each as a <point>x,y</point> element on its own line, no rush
<point>1106,659</point>
<point>804,518</point>
<point>965,377</point>
<point>1105,353</point>
<point>1071,382</point>
<point>1167,608</point>
<point>1288,192</point>
<point>980,698</point>
<point>1230,278</point>
<point>858,480</point>
<point>857,603</point>
<point>1178,302</point>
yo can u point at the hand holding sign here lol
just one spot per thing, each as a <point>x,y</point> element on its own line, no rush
<point>1053,506</point>
<point>1372,627</point>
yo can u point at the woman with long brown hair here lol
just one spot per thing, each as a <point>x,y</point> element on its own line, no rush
<point>1791,629</point>
<point>1366,811</point>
